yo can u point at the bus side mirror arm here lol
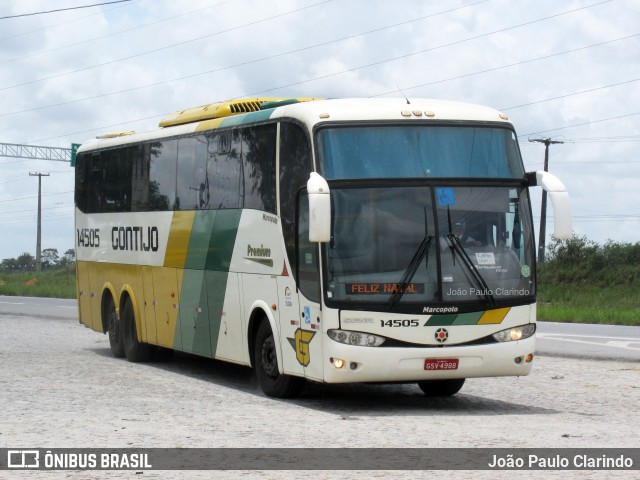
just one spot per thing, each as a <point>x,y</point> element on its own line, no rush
<point>319,209</point>
<point>562,217</point>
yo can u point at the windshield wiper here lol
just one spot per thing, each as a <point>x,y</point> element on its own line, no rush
<point>456,244</point>
<point>411,270</point>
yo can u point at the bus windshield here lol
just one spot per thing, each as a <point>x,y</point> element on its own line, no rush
<point>406,247</point>
<point>419,151</point>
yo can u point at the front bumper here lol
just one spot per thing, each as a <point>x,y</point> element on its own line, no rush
<point>398,364</point>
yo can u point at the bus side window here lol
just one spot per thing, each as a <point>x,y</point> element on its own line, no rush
<point>308,271</point>
<point>83,166</point>
<point>259,167</point>
<point>295,165</point>
<point>223,169</point>
<point>163,157</point>
<point>192,191</point>
<point>94,184</point>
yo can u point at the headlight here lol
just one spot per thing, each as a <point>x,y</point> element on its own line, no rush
<point>515,334</point>
<point>356,338</point>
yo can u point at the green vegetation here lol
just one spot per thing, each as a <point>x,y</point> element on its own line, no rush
<point>57,278</point>
<point>584,282</point>
<point>581,281</point>
<point>54,283</point>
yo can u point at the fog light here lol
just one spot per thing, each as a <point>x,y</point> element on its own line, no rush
<point>518,360</point>
<point>338,363</point>
<point>353,365</point>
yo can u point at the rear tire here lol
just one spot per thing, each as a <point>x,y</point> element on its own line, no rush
<point>273,383</point>
<point>441,388</point>
<point>114,330</point>
<point>134,350</point>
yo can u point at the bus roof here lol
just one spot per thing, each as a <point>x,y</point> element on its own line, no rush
<point>310,111</point>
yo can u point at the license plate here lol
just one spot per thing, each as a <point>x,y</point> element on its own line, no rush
<point>441,364</point>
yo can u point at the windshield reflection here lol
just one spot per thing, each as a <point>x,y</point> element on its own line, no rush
<point>424,245</point>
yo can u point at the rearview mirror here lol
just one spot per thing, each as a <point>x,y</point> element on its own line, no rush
<point>562,217</point>
<point>319,209</point>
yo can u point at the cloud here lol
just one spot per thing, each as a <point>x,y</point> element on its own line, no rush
<point>164,55</point>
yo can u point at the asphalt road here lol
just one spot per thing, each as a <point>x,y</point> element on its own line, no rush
<point>571,340</point>
<point>61,387</point>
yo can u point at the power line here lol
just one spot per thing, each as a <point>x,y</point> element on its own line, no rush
<point>42,52</point>
<point>31,210</point>
<point>77,19</point>
<point>583,124</point>
<point>241,64</point>
<point>303,8</point>
<point>33,196</point>
<point>544,57</point>
<point>185,42</point>
<point>364,66</point>
<point>63,9</point>
<point>570,94</point>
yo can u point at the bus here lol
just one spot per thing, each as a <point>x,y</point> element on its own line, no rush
<point>332,241</point>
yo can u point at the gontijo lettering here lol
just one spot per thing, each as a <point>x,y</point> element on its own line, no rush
<point>137,239</point>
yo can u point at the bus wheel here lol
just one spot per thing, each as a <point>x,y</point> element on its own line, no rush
<point>134,350</point>
<point>113,327</point>
<point>441,388</point>
<point>273,384</point>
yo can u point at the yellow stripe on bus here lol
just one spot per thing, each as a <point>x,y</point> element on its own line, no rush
<point>209,124</point>
<point>178,243</point>
<point>493,316</point>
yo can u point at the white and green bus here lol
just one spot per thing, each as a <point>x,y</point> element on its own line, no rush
<point>347,240</point>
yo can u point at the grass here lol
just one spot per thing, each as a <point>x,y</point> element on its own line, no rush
<point>54,284</point>
<point>610,297</point>
<point>571,303</point>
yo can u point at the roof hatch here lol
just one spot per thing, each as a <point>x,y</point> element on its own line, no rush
<point>227,109</point>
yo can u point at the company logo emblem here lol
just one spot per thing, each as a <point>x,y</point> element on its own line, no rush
<point>442,335</point>
<point>300,344</point>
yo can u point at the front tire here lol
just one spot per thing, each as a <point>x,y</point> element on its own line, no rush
<point>134,350</point>
<point>273,383</point>
<point>441,388</point>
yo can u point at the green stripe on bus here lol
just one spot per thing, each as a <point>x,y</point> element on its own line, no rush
<point>468,318</point>
<point>201,233</point>
<point>246,118</point>
<point>223,239</point>
<point>441,320</point>
<point>471,318</point>
<point>216,289</point>
<point>204,284</point>
<point>193,321</point>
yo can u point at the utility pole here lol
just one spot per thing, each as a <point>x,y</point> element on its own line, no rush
<point>39,239</point>
<point>543,209</point>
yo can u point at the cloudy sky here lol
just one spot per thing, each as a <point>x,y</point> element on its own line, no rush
<point>566,70</point>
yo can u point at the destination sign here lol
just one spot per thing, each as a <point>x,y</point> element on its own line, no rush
<point>378,288</point>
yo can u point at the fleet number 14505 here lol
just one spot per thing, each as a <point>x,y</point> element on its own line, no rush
<point>414,322</point>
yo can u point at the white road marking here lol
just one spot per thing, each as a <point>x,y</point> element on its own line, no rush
<point>614,342</point>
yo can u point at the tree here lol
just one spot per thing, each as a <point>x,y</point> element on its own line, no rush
<point>9,265</point>
<point>50,258</point>
<point>67,260</point>
<point>25,262</point>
